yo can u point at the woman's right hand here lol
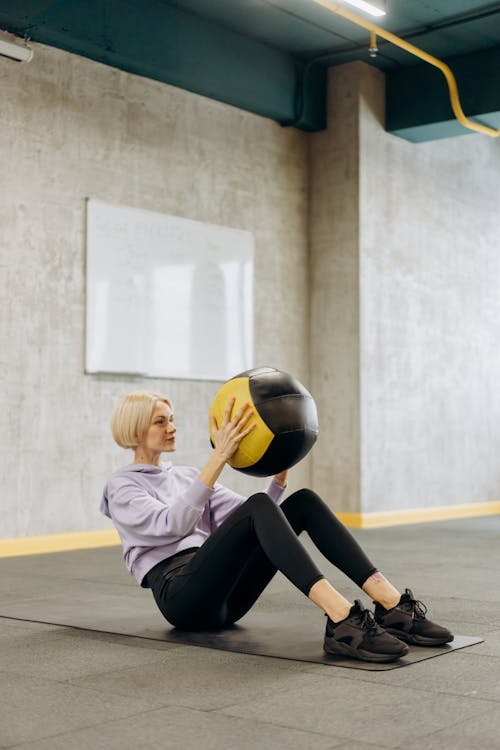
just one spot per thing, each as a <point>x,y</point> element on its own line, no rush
<point>231,432</point>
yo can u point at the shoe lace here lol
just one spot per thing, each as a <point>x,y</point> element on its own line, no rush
<point>419,609</point>
<point>368,621</point>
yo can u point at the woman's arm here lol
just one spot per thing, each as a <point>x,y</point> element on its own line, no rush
<point>226,440</point>
<point>224,501</point>
<point>212,469</point>
<point>280,479</point>
<point>148,522</point>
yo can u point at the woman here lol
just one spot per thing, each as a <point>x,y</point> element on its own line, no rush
<point>208,553</point>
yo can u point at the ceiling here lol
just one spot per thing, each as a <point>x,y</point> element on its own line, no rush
<point>306,30</point>
<point>270,56</point>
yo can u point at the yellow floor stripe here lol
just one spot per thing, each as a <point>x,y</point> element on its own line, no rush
<point>418,515</point>
<point>37,545</point>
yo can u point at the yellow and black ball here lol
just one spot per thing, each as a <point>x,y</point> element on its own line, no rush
<point>285,415</point>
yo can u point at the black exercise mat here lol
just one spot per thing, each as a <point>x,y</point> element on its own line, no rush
<point>282,624</point>
<point>271,639</point>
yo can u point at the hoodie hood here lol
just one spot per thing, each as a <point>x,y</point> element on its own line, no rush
<point>129,471</point>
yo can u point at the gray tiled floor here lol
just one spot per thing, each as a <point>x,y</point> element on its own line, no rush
<point>64,688</point>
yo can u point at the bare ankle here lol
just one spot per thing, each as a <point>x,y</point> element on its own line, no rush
<point>339,614</point>
<point>381,590</point>
<point>336,606</point>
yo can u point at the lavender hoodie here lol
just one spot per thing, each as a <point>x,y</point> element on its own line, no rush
<point>159,511</point>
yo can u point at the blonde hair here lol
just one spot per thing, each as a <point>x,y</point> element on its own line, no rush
<point>132,416</point>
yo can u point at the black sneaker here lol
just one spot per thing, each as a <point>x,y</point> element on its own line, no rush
<point>407,621</point>
<point>359,637</point>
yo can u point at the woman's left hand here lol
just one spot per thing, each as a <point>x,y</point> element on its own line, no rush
<point>281,478</point>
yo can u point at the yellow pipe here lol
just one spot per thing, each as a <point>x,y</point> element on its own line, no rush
<point>450,78</point>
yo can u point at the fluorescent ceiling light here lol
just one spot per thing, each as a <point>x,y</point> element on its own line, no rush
<point>13,50</point>
<point>374,9</point>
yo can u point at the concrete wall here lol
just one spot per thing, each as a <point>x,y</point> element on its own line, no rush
<point>72,128</point>
<point>406,309</point>
<point>430,315</point>
<point>334,239</point>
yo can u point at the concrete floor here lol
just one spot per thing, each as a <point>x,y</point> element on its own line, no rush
<point>68,689</point>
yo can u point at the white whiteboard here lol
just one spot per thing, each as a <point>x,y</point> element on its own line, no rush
<point>166,296</point>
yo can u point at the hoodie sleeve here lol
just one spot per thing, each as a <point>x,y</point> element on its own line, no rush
<point>275,492</point>
<point>149,522</point>
<point>224,501</point>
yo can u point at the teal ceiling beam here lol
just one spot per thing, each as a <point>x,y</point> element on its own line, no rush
<point>417,101</point>
<point>161,42</point>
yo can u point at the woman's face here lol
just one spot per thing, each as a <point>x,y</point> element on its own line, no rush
<point>160,435</point>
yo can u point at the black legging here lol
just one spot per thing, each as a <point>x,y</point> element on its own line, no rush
<point>224,577</point>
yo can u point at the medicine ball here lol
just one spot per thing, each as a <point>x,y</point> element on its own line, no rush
<point>285,415</point>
